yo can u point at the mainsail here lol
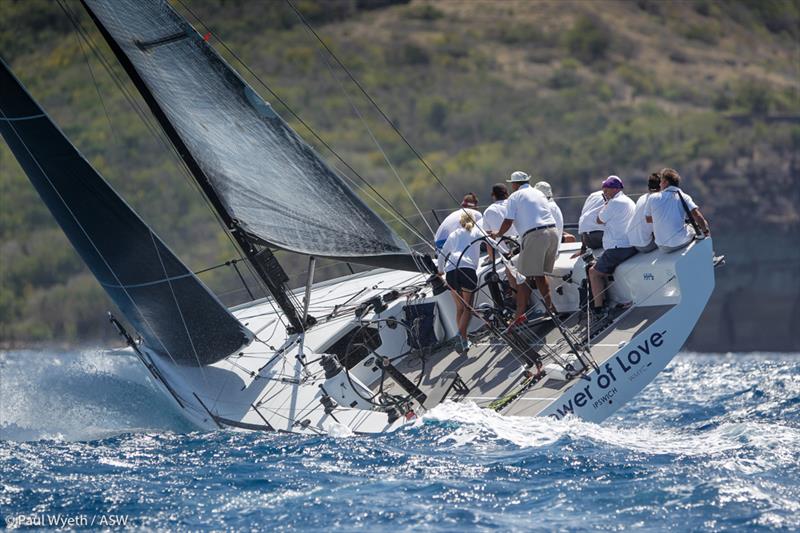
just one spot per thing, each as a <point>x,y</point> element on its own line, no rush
<point>166,303</point>
<point>266,182</point>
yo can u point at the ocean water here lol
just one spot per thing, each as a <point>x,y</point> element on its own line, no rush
<point>712,444</point>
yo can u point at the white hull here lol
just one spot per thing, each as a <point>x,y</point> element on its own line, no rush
<point>268,387</point>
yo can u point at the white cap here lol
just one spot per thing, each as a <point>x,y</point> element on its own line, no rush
<point>519,177</point>
<point>545,188</point>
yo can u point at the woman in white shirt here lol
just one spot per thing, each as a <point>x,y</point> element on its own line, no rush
<point>458,262</point>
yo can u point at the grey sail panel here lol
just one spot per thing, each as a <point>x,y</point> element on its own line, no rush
<point>255,168</point>
<point>166,303</point>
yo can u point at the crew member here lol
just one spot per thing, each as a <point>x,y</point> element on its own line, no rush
<point>545,188</point>
<point>528,210</point>
<point>452,221</point>
<point>591,233</point>
<point>614,217</point>
<point>669,209</point>
<point>495,214</point>
<point>640,231</point>
<point>458,262</point>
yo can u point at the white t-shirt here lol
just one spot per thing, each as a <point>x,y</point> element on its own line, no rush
<point>640,231</point>
<point>669,226</point>
<point>616,216</point>
<point>558,216</point>
<point>452,222</point>
<point>529,209</point>
<point>493,218</point>
<point>594,202</point>
<point>459,245</point>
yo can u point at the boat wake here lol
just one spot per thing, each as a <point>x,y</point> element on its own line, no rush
<point>84,395</point>
<point>708,409</point>
<point>479,427</point>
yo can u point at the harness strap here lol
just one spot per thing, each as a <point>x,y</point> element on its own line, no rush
<point>688,213</point>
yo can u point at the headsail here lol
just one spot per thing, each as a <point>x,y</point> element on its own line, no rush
<point>172,309</point>
<point>257,171</point>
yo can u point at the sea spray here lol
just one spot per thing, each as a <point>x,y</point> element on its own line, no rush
<point>83,395</point>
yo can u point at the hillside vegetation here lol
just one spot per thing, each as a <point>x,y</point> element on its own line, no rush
<point>568,91</point>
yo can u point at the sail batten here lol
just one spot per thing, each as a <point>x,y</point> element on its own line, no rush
<point>168,305</point>
<point>260,175</point>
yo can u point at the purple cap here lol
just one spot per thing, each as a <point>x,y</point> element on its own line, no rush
<point>613,182</point>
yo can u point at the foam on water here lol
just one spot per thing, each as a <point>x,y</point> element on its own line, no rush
<point>79,396</point>
<point>712,444</point>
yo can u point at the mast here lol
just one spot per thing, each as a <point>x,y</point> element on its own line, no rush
<point>263,260</point>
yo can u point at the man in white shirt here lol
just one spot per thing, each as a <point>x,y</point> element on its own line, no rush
<point>545,188</point>
<point>528,210</point>
<point>590,232</point>
<point>640,231</point>
<point>615,217</point>
<point>495,214</point>
<point>669,209</point>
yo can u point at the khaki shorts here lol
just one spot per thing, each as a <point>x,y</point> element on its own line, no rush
<point>539,250</point>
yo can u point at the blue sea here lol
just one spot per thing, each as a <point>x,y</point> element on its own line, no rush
<point>86,440</point>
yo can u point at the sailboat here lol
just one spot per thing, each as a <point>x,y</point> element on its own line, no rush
<point>366,353</point>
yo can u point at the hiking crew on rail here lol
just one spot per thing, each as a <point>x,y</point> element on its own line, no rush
<point>610,224</point>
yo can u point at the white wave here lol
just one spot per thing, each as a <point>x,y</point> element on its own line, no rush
<point>116,462</point>
<point>476,424</point>
<point>79,396</point>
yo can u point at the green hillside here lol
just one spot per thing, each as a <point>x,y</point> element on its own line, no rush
<point>569,91</point>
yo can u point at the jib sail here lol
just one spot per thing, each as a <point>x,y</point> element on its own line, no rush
<point>173,311</point>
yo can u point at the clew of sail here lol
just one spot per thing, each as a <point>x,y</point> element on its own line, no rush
<point>261,176</point>
<point>174,312</point>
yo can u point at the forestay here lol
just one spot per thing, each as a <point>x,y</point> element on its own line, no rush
<point>266,179</point>
<point>173,311</point>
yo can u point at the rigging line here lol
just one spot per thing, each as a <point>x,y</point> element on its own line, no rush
<point>86,234</point>
<point>114,76</point>
<point>178,305</point>
<point>296,116</point>
<point>402,220</point>
<point>94,79</point>
<point>226,263</point>
<point>584,197</point>
<point>374,103</point>
<point>528,337</point>
<point>159,136</point>
<point>505,337</point>
<point>372,136</point>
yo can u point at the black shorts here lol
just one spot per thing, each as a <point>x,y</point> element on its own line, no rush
<point>612,258</point>
<point>593,239</point>
<point>462,279</point>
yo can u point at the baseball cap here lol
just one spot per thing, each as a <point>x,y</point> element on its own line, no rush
<point>613,182</point>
